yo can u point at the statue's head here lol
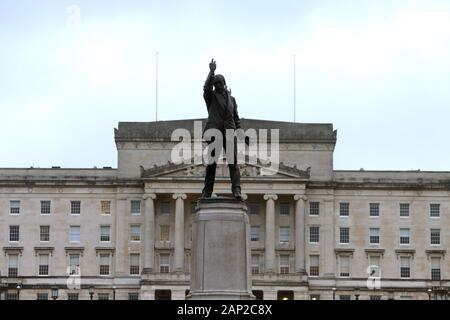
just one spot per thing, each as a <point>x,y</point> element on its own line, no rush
<point>219,83</point>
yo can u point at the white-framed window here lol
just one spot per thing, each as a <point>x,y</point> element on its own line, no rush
<point>314,265</point>
<point>105,233</point>
<point>255,263</point>
<point>344,266</point>
<point>133,295</point>
<point>344,235</point>
<point>284,234</point>
<point>435,237</point>
<point>44,233</point>
<point>74,234</point>
<point>45,206</point>
<point>253,208</point>
<point>254,233</point>
<point>314,208</point>
<point>44,259</point>
<point>164,263</point>
<point>75,207</point>
<point>404,210</point>
<point>375,266</point>
<point>374,209</point>
<point>344,297</point>
<point>74,263</point>
<point>135,232</point>
<point>134,264</point>
<point>13,265</point>
<point>14,206</point>
<point>405,267</point>
<point>42,296</point>
<point>135,206</point>
<point>72,296</point>
<point>435,210</point>
<point>285,208</point>
<point>164,233</point>
<point>374,297</point>
<point>105,207</point>
<point>374,236</point>
<point>404,235</point>
<point>435,268</point>
<point>284,263</point>
<point>314,234</point>
<point>14,233</point>
<point>104,264</point>
<point>164,207</point>
<point>344,209</point>
<point>103,296</point>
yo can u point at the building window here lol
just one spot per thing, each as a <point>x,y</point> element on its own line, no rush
<point>11,296</point>
<point>344,266</point>
<point>435,210</point>
<point>14,207</point>
<point>193,206</point>
<point>254,233</point>
<point>134,263</point>
<point>404,209</point>
<point>284,263</point>
<point>43,264</point>
<point>44,233</point>
<point>164,233</point>
<point>13,265</point>
<point>255,263</point>
<point>14,233</point>
<point>104,264</point>
<point>374,265</point>
<point>344,235</point>
<point>345,297</point>
<point>374,209</point>
<point>105,207</point>
<point>314,208</point>
<point>133,295</point>
<point>284,234</point>
<point>74,233</point>
<point>313,234</point>
<point>253,208</point>
<point>375,297</point>
<point>75,207</point>
<point>74,263</point>
<point>314,266</point>
<point>164,263</point>
<point>72,296</point>
<point>105,233</point>
<point>164,208</point>
<point>435,237</point>
<point>135,206</point>
<point>374,236</point>
<point>42,296</point>
<point>135,233</point>
<point>344,209</point>
<point>103,296</point>
<point>404,236</point>
<point>45,207</point>
<point>435,268</point>
<point>405,267</point>
<point>284,208</point>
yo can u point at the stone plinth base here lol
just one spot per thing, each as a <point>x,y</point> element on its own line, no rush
<point>220,261</point>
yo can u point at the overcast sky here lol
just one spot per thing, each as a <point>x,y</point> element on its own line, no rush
<point>378,70</point>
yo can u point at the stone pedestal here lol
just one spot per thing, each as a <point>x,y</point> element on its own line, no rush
<point>220,262</point>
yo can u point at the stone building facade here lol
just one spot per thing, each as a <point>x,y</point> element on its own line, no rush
<point>316,232</point>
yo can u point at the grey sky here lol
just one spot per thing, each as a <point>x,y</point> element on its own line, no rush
<point>378,70</point>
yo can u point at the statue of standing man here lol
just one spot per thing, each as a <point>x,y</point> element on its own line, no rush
<point>222,115</point>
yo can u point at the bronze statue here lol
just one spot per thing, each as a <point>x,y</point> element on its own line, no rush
<point>222,115</point>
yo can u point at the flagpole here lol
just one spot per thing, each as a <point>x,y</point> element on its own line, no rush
<point>294,92</point>
<point>156,82</point>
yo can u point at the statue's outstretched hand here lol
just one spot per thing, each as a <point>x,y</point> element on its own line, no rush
<point>212,65</point>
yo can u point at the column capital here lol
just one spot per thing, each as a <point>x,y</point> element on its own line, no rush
<point>179,195</point>
<point>149,196</point>
<point>300,197</point>
<point>270,196</point>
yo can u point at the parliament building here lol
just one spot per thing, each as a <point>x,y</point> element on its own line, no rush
<point>316,233</point>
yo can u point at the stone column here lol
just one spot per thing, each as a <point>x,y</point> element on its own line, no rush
<point>328,243</point>
<point>149,233</point>
<point>270,232</point>
<point>300,233</point>
<point>121,232</point>
<point>179,231</point>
